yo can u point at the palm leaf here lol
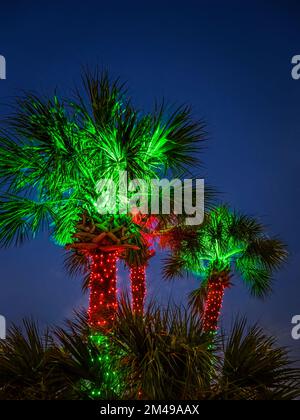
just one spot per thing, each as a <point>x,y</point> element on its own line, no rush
<point>253,367</point>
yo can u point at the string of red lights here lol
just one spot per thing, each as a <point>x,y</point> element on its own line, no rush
<point>213,305</point>
<point>138,288</point>
<point>103,289</point>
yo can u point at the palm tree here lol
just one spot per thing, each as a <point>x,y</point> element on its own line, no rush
<point>163,355</point>
<point>166,352</point>
<point>225,244</point>
<point>62,364</point>
<point>25,368</point>
<point>169,355</point>
<point>53,153</point>
<point>253,367</point>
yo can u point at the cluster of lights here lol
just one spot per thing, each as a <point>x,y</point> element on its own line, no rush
<point>213,305</point>
<point>111,380</point>
<point>103,289</point>
<point>138,288</point>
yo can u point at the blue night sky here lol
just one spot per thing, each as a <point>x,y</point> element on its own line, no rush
<point>231,61</point>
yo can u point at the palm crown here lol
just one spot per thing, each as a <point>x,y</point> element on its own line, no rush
<point>227,242</point>
<point>56,151</point>
<point>52,157</point>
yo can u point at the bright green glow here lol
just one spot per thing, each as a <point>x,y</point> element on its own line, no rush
<point>228,241</point>
<point>65,148</point>
<point>218,246</point>
<point>112,381</point>
<point>212,334</point>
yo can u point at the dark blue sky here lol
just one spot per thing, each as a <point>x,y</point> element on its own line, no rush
<point>231,61</point>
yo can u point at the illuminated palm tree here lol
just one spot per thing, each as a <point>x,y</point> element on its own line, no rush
<point>53,153</point>
<point>225,244</point>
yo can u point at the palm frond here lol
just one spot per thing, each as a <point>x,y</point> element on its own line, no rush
<point>21,218</point>
<point>244,228</point>
<point>105,97</point>
<point>88,368</point>
<point>174,266</point>
<point>227,240</point>
<point>176,139</point>
<point>271,252</point>
<point>256,277</point>
<point>76,264</point>
<point>254,367</point>
<point>166,352</point>
<point>197,300</point>
<point>25,371</point>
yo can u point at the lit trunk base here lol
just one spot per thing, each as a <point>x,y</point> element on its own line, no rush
<point>138,288</point>
<point>103,289</point>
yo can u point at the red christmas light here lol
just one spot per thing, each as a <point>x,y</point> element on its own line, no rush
<point>213,305</point>
<point>138,288</point>
<point>103,289</point>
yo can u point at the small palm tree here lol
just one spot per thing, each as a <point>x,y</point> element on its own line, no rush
<point>25,368</point>
<point>225,244</point>
<point>253,367</point>
<point>166,352</point>
<point>169,356</point>
<point>54,152</point>
<point>64,364</point>
<point>162,355</point>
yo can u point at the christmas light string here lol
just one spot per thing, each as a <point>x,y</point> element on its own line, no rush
<point>138,288</point>
<point>103,289</point>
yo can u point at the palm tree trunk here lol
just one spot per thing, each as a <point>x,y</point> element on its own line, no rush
<point>103,289</point>
<point>138,288</point>
<point>215,296</point>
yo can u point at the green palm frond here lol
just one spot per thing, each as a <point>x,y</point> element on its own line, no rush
<point>42,121</point>
<point>105,98</point>
<point>229,241</point>
<point>57,150</point>
<point>257,278</point>
<point>177,137</point>
<point>21,218</point>
<point>243,227</point>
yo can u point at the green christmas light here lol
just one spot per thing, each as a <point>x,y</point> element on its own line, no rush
<point>108,359</point>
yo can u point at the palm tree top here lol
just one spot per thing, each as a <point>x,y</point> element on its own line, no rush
<point>228,241</point>
<point>54,151</point>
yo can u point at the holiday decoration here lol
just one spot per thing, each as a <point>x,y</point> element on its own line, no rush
<point>138,288</point>
<point>102,245</point>
<point>103,288</point>
<point>106,358</point>
<point>53,154</point>
<point>215,294</point>
<point>225,244</point>
<point>137,261</point>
